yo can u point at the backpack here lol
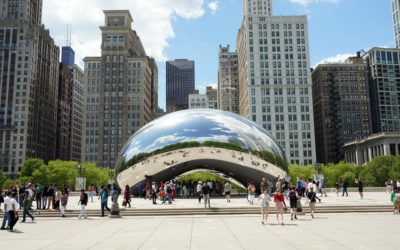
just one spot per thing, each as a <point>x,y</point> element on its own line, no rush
<point>169,189</point>
<point>397,197</point>
<point>292,196</point>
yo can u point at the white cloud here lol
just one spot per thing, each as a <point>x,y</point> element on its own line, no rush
<point>152,21</point>
<point>339,58</point>
<point>213,6</point>
<point>308,2</point>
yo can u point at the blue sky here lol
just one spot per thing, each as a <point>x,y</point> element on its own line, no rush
<point>336,28</point>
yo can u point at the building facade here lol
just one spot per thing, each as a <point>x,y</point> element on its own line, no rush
<point>63,140</point>
<point>341,107</point>
<point>364,150</point>
<point>275,80</point>
<point>228,94</point>
<point>76,114</point>
<point>384,88</point>
<point>29,70</point>
<point>180,83</point>
<point>68,56</point>
<point>209,100</point>
<point>120,90</point>
<point>396,21</point>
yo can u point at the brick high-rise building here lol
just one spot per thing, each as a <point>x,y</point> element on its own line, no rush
<point>180,82</point>
<point>120,90</point>
<point>228,93</point>
<point>275,80</point>
<point>341,107</point>
<point>29,70</point>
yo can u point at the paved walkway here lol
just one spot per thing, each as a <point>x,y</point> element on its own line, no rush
<point>326,231</point>
<point>372,198</point>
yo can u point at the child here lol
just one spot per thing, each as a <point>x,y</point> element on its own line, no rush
<point>83,200</point>
<point>279,204</point>
<point>265,199</point>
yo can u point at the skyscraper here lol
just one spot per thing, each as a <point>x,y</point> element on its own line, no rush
<point>228,95</point>
<point>180,83</point>
<point>384,88</point>
<point>396,21</point>
<point>341,107</point>
<point>29,69</point>
<point>67,56</point>
<point>275,80</point>
<point>120,90</point>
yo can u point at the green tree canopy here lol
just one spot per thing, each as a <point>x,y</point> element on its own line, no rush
<point>303,172</point>
<point>3,179</point>
<point>30,166</point>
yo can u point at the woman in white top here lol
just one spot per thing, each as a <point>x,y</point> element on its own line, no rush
<point>265,199</point>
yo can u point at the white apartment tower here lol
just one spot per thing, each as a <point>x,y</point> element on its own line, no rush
<point>275,80</point>
<point>396,21</point>
<point>228,96</point>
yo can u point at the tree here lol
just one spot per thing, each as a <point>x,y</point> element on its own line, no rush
<point>3,179</point>
<point>340,172</point>
<point>95,175</point>
<point>30,166</point>
<point>380,169</point>
<point>303,172</point>
<point>61,173</point>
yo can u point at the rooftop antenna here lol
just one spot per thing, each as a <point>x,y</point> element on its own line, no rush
<point>69,36</point>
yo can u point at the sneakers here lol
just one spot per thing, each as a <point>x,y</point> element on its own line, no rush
<point>312,216</point>
<point>295,217</point>
<point>2,228</point>
<point>291,217</point>
<point>282,224</point>
<point>262,222</point>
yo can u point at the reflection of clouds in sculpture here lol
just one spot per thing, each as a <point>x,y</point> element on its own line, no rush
<point>199,126</point>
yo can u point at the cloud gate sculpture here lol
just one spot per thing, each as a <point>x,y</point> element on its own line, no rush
<point>200,139</point>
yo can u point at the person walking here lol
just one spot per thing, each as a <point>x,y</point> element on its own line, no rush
<point>360,186</point>
<point>12,210</point>
<point>63,200</point>
<point>104,200</point>
<point>91,192</point>
<point>167,191</point>
<point>337,187</point>
<point>44,197</point>
<point>395,198</point>
<point>154,191</point>
<point>265,199</point>
<point>38,196</point>
<point>1,197</point>
<point>279,205</point>
<point>26,201</point>
<point>228,190</point>
<point>312,197</point>
<point>293,197</point>
<point>50,195</point>
<point>251,189</point>
<point>83,201</point>
<point>6,216</point>
<point>127,196</point>
<point>206,194</point>
<point>345,185</point>
<point>199,187</point>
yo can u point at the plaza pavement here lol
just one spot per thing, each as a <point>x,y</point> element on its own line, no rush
<point>326,231</point>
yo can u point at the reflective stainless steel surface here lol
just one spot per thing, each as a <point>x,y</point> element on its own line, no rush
<point>200,128</point>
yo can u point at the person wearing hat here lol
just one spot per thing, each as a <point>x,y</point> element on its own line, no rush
<point>198,190</point>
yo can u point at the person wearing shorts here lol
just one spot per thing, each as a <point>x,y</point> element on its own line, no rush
<point>279,205</point>
<point>312,197</point>
<point>265,199</point>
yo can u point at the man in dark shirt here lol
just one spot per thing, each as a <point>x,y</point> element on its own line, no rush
<point>206,194</point>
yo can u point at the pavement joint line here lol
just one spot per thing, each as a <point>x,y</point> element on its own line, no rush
<point>233,235</point>
<point>112,234</point>
<point>151,234</point>
<point>68,236</point>
<point>278,235</point>
<point>191,234</point>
